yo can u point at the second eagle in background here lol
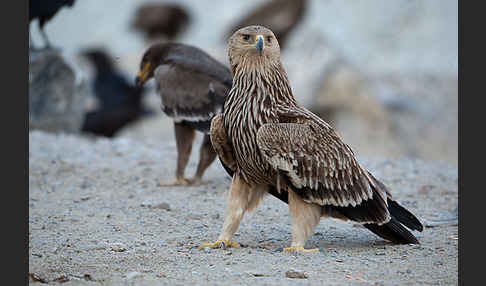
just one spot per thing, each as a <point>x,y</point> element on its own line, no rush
<point>192,86</point>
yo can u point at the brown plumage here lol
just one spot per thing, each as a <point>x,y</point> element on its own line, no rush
<point>270,144</point>
<point>192,86</point>
<point>281,16</point>
<point>161,20</point>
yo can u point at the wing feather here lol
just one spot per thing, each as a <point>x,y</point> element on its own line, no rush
<point>221,144</point>
<point>321,168</point>
<point>189,95</point>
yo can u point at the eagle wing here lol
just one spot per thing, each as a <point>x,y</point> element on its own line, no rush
<point>197,61</point>
<point>189,95</point>
<point>321,169</point>
<point>222,145</point>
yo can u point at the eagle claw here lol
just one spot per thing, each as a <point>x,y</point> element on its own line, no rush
<point>220,244</point>
<point>299,249</point>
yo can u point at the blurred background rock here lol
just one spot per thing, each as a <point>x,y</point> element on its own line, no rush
<point>56,98</point>
<point>383,73</point>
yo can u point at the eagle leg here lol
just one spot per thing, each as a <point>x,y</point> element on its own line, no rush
<point>184,137</point>
<point>237,205</point>
<point>305,217</point>
<point>206,157</point>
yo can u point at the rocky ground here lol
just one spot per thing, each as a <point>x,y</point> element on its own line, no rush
<point>387,82</point>
<point>98,216</point>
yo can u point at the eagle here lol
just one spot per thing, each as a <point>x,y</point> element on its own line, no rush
<point>271,144</point>
<point>281,16</point>
<point>192,86</point>
<point>156,20</point>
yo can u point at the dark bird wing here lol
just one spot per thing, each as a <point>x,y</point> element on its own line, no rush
<point>113,89</point>
<point>108,121</point>
<point>191,91</point>
<point>195,60</point>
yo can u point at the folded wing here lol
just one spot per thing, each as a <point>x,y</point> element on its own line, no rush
<point>311,159</point>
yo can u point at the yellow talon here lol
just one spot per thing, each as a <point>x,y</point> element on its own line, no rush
<point>299,249</point>
<point>220,244</point>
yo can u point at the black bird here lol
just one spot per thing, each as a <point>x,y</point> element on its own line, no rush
<point>120,102</point>
<point>44,10</point>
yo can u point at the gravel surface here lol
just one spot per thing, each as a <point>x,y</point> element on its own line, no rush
<point>98,216</point>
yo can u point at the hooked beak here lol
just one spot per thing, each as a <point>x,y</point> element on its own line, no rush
<point>143,75</point>
<point>259,44</point>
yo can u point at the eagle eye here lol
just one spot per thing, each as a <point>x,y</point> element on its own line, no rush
<point>269,39</point>
<point>246,37</point>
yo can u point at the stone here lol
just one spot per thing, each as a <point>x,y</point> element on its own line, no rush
<point>118,247</point>
<point>296,274</point>
<point>56,100</point>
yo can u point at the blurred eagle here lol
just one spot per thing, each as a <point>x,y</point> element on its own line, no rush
<point>161,21</point>
<point>281,16</point>
<point>192,86</point>
<point>271,144</point>
<point>44,10</point>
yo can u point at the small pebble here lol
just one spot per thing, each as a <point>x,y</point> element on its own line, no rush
<point>296,274</point>
<point>118,247</point>
<point>164,206</point>
<point>254,273</point>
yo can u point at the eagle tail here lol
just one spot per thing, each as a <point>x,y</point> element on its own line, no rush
<point>404,216</point>
<point>393,230</point>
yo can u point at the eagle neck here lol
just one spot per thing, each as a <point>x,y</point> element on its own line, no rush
<point>258,90</point>
<point>263,80</point>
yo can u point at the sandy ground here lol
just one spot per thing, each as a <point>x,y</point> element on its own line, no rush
<point>98,216</point>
